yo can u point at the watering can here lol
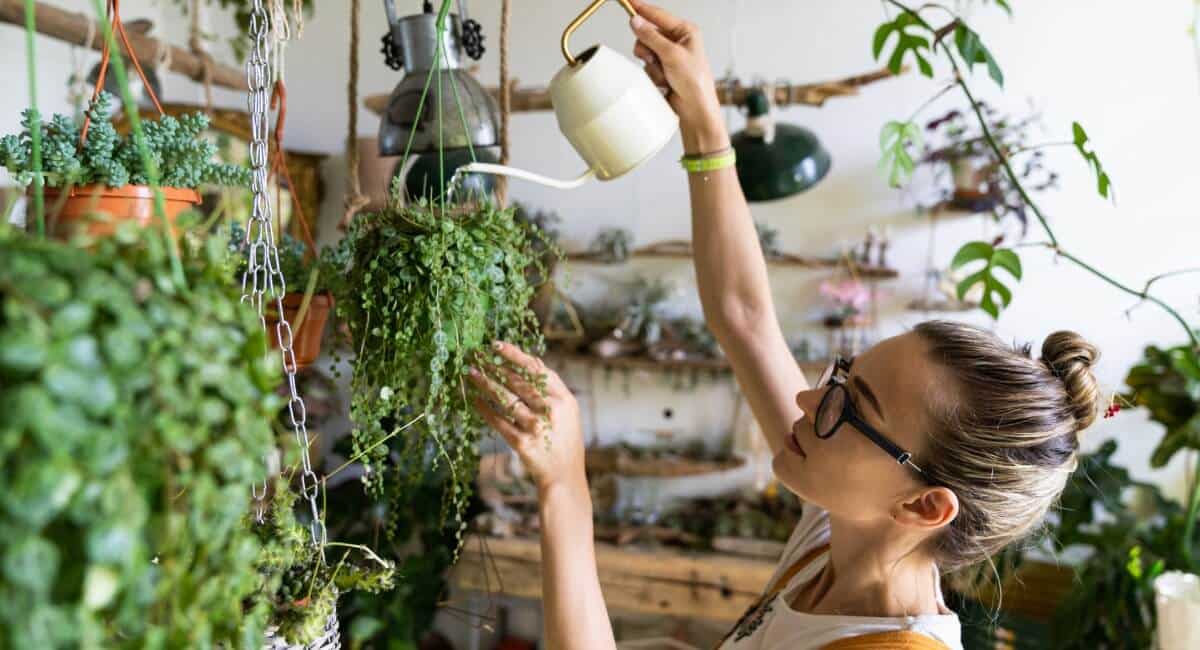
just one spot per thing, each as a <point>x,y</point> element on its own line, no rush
<point>608,109</point>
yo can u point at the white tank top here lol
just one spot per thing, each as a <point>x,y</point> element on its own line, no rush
<point>774,625</point>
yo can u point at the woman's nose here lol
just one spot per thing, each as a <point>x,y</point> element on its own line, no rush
<point>807,400</point>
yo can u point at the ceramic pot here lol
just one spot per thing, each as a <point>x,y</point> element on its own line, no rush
<point>97,209</point>
<point>306,336</point>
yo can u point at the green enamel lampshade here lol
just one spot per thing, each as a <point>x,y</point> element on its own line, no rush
<point>424,179</point>
<point>776,165</point>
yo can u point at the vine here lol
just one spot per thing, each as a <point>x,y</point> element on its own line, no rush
<point>423,293</point>
<point>916,38</point>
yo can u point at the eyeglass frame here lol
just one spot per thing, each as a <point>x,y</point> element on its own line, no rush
<point>849,415</point>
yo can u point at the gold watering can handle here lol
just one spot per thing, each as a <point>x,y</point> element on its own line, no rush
<point>581,18</point>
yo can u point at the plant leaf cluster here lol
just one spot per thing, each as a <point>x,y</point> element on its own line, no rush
<point>423,292</point>
<point>184,158</point>
<point>136,417</point>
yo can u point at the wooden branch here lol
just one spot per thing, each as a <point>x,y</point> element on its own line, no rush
<point>72,27</point>
<point>811,94</point>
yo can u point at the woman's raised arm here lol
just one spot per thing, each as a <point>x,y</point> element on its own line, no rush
<point>731,273</point>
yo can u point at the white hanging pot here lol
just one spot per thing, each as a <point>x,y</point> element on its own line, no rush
<point>608,109</point>
<point>1177,601</point>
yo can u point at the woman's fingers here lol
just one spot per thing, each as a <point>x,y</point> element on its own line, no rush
<point>657,75</point>
<point>533,365</point>
<point>649,35</point>
<point>662,19</point>
<point>510,403</point>
<point>525,390</point>
<point>512,435</point>
<point>644,53</point>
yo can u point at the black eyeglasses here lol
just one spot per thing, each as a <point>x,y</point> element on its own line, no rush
<point>837,408</point>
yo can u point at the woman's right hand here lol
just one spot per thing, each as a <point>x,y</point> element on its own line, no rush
<point>673,50</point>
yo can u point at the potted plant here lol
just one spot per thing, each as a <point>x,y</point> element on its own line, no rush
<point>977,180</point>
<point>300,582</point>
<point>423,290</point>
<point>1132,532</point>
<point>308,301</point>
<point>136,416</point>
<point>103,172</point>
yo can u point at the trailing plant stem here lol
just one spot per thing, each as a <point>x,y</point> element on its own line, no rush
<point>35,134</point>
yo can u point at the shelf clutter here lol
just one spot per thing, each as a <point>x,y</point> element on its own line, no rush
<point>683,250</point>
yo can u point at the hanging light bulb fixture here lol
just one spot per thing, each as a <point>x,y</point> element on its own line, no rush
<point>412,43</point>
<point>776,160</point>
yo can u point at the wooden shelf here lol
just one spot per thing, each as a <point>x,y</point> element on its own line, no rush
<point>683,250</point>
<point>646,363</point>
<point>707,585</point>
<point>616,460</point>
<point>712,586</point>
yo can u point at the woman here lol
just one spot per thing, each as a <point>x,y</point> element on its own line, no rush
<point>929,452</point>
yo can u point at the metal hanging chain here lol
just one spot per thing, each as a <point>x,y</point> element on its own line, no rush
<point>263,277</point>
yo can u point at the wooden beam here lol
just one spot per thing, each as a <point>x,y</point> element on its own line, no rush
<point>730,93</point>
<point>72,27</point>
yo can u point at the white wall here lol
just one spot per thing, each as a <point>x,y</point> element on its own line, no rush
<point>1128,74</point>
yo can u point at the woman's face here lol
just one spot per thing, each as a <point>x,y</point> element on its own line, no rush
<point>890,386</point>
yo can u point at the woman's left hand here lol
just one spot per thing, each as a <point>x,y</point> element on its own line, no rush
<point>526,415</point>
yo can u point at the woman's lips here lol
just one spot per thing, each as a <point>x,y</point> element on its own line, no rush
<point>793,444</point>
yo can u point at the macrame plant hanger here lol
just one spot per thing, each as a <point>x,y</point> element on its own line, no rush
<point>263,280</point>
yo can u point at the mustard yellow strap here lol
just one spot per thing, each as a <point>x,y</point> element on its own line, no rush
<point>898,640</point>
<point>709,162</point>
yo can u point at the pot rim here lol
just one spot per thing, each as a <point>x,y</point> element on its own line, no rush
<point>99,190</point>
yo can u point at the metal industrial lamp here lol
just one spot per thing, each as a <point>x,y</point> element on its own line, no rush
<point>412,43</point>
<point>774,159</point>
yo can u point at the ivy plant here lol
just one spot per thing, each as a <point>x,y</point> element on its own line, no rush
<point>136,417</point>
<point>423,290</point>
<point>184,158</point>
<point>301,584</point>
<point>996,295</point>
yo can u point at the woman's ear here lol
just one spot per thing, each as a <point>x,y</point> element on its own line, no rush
<point>929,508</point>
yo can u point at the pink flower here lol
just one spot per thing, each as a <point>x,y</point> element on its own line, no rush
<point>847,293</point>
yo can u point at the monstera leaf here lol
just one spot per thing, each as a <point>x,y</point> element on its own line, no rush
<point>906,42</point>
<point>971,47</point>
<point>1103,182</point>
<point>996,295</point>
<point>895,161</point>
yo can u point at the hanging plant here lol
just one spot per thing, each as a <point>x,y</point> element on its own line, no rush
<point>308,301</point>
<point>105,172</point>
<point>299,583</point>
<point>423,290</point>
<point>136,417</point>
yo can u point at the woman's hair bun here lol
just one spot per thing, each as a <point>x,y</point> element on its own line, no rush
<point>1070,358</point>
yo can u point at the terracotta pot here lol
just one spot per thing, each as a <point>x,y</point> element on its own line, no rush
<point>306,336</point>
<point>118,204</point>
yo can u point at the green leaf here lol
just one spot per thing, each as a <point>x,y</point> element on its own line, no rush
<point>973,51</point>
<point>996,295</point>
<point>895,161</point>
<point>1103,182</point>
<point>912,38</point>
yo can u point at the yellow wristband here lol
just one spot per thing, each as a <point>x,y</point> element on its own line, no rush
<point>709,163</point>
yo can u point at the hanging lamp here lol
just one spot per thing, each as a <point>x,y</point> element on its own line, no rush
<point>412,43</point>
<point>776,160</point>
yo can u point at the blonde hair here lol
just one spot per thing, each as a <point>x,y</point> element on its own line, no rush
<point>1007,439</point>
